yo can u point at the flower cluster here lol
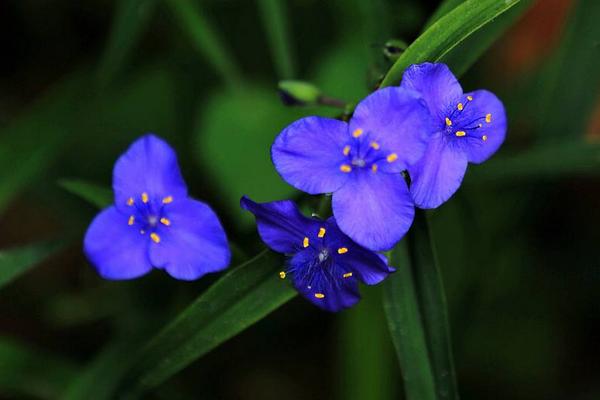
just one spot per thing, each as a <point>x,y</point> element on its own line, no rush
<point>404,146</point>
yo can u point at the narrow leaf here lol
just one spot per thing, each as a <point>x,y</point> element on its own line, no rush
<point>444,8</point>
<point>16,261</point>
<point>274,16</point>
<point>405,322</point>
<point>97,195</point>
<point>447,33</point>
<point>236,301</point>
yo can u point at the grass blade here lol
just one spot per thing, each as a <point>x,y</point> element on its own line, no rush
<point>236,301</point>
<point>97,195</point>
<point>274,16</point>
<point>16,261</point>
<point>447,33</point>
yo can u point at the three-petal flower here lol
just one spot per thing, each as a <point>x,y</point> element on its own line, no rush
<point>153,221</point>
<point>360,162</point>
<point>325,265</point>
<point>469,127</point>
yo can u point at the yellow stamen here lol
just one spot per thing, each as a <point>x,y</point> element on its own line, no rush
<point>342,250</point>
<point>392,157</point>
<point>282,274</point>
<point>375,145</point>
<point>144,197</point>
<point>460,106</point>
<point>346,150</point>
<point>448,122</point>
<point>130,201</point>
<point>165,221</point>
<point>357,132</point>
<point>305,242</point>
<point>470,98</point>
<point>484,137</point>
<point>347,275</point>
<point>345,168</point>
<point>167,200</point>
<point>374,167</point>
<point>319,295</point>
<point>488,118</point>
<point>460,133</point>
<point>321,232</point>
<point>131,220</point>
<point>155,238</point>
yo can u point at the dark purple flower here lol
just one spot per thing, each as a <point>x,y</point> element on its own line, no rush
<point>469,127</point>
<point>360,162</point>
<point>325,265</point>
<point>153,222</point>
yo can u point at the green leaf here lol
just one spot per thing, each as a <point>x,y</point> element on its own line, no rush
<point>206,39</point>
<point>130,20</point>
<point>233,135</point>
<point>444,8</point>
<point>571,84</point>
<point>447,33</point>
<point>29,372</point>
<point>236,301</point>
<point>405,322</point>
<point>274,16</point>
<point>96,195</point>
<point>16,261</point>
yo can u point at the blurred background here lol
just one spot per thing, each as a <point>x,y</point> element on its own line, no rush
<point>518,245</point>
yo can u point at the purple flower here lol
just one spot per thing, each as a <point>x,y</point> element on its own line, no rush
<point>325,265</point>
<point>153,222</point>
<point>469,127</point>
<point>360,162</point>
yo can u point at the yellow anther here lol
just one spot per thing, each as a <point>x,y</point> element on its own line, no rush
<point>460,106</point>
<point>347,275</point>
<point>130,201</point>
<point>345,168</point>
<point>346,150</point>
<point>167,200</point>
<point>484,137</point>
<point>488,118</point>
<point>460,133</point>
<point>319,295</point>
<point>321,232</point>
<point>144,197</point>
<point>374,167</point>
<point>131,220</point>
<point>448,122</point>
<point>282,274</point>
<point>357,132</point>
<point>392,157</point>
<point>165,221</point>
<point>375,145</point>
<point>155,238</point>
<point>305,242</point>
<point>342,250</point>
<point>470,98</point>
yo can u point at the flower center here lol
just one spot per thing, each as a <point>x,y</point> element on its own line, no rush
<point>363,152</point>
<point>147,214</point>
<point>464,121</point>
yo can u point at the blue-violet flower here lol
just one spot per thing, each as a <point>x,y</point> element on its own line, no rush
<point>325,265</point>
<point>469,127</point>
<point>153,222</point>
<point>360,162</point>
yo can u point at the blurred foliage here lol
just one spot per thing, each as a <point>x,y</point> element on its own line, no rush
<point>517,245</point>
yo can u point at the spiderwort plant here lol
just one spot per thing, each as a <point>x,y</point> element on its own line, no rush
<point>360,162</point>
<point>153,221</point>
<point>325,265</point>
<point>470,127</point>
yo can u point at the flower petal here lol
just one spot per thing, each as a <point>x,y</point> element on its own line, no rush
<point>398,120</point>
<point>117,250</point>
<point>280,224</point>
<point>374,209</point>
<point>436,83</point>
<point>148,166</point>
<point>193,242</point>
<point>486,103</point>
<point>439,173</point>
<point>308,154</point>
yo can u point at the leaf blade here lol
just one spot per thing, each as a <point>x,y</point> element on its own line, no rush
<point>17,261</point>
<point>94,194</point>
